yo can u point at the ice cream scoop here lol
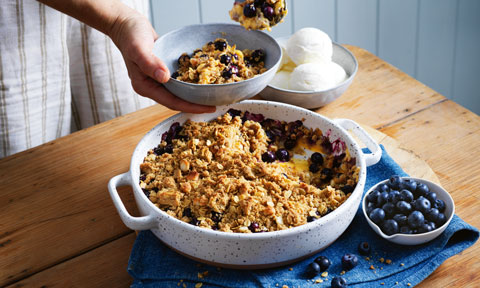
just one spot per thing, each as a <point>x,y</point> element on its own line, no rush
<point>316,76</point>
<point>281,80</point>
<point>309,45</point>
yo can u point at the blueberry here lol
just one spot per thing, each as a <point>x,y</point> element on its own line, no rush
<point>254,227</point>
<point>168,149</point>
<point>327,173</point>
<point>158,151</point>
<point>323,262</point>
<point>290,144</point>
<point>338,282</point>
<point>234,112</point>
<point>401,219</point>
<point>195,222</point>
<point>395,182</point>
<point>250,11</point>
<point>268,157</point>
<point>347,189</point>
<point>349,261</point>
<point>432,215</point>
<point>311,218</point>
<point>175,75</point>
<point>268,12</point>
<point>313,168</point>
<point>406,195</point>
<point>394,196</point>
<point>390,227</point>
<point>421,190</point>
<point>216,217</point>
<point>405,230</point>
<point>370,207</point>
<point>377,215</point>
<point>415,219</point>
<point>313,269</point>
<point>433,225</point>
<point>258,56</point>
<point>234,69</point>
<point>410,184</point>
<point>424,228</point>
<point>382,188</point>
<point>317,158</point>
<point>389,209</point>
<point>441,219</point>
<point>143,177</point>
<point>422,204</point>
<point>440,205</point>
<point>373,196</point>
<point>220,45</point>
<point>431,196</point>
<point>183,59</point>
<point>225,59</point>
<point>382,199</point>
<point>187,212</point>
<point>227,73</point>
<point>282,155</point>
<point>404,207</point>
<point>364,248</point>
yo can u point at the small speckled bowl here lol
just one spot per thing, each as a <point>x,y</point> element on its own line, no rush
<point>247,250</point>
<point>415,239</point>
<point>314,99</point>
<point>189,38</point>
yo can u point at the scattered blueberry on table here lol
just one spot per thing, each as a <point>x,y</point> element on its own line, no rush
<point>364,248</point>
<point>338,282</point>
<point>405,206</point>
<point>324,263</point>
<point>349,261</point>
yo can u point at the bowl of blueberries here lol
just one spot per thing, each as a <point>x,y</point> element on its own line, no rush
<point>407,210</point>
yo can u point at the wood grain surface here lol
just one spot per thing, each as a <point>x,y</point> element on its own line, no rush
<point>58,219</point>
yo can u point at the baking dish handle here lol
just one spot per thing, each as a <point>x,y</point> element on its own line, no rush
<point>134,223</point>
<point>352,126</point>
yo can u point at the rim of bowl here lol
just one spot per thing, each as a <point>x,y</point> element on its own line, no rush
<point>269,234</point>
<point>350,77</point>
<point>275,64</point>
<point>396,235</point>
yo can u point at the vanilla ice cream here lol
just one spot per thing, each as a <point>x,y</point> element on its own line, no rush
<point>281,80</point>
<point>316,76</point>
<point>309,45</point>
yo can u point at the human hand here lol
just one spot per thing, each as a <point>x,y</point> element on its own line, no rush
<point>134,36</point>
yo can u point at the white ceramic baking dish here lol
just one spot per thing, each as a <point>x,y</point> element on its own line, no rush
<point>252,250</point>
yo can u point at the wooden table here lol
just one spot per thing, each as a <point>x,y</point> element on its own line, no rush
<point>59,227</point>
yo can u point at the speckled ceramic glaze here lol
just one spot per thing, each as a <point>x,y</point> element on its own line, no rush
<point>189,38</point>
<point>313,99</point>
<point>247,250</point>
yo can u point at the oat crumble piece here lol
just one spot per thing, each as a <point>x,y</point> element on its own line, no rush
<point>388,261</point>
<point>381,260</point>
<point>198,285</point>
<point>324,274</point>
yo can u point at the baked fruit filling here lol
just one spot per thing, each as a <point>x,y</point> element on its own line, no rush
<point>244,173</point>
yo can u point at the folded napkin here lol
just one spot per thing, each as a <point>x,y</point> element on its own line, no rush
<point>152,264</point>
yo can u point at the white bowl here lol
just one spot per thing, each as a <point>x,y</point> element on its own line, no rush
<point>314,99</point>
<point>249,250</point>
<point>415,239</point>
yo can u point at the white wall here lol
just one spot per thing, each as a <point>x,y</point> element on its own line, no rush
<point>434,41</point>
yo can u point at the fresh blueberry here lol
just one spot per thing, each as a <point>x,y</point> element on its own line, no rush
<point>406,195</point>
<point>250,11</point>
<point>313,168</point>
<point>441,219</point>
<point>349,261</point>
<point>290,144</point>
<point>424,228</point>
<point>268,12</point>
<point>382,188</point>
<point>317,158</point>
<point>268,157</point>
<point>421,190</point>
<point>254,227</point>
<point>313,269</point>
<point>258,56</point>
<point>405,230</point>
<point>364,248</point>
<point>422,204</point>
<point>394,196</point>
<point>382,199</point>
<point>323,262</point>
<point>410,184</point>
<point>432,215</point>
<point>282,155</point>
<point>415,219</point>
<point>404,207</point>
<point>347,189</point>
<point>225,59</point>
<point>431,196</point>
<point>389,209</point>
<point>390,227</point>
<point>227,73</point>
<point>433,225</point>
<point>440,205</point>
<point>220,45</point>
<point>401,219</point>
<point>395,182</point>
<point>338,282</point>
<point>377,215</point>
<point>373,196</point>
<point>370,207</point>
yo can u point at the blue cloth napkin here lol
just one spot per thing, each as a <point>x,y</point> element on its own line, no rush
<point>152,264</point>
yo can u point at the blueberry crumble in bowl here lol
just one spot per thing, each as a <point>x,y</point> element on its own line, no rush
<point>256,184</point>
<point>259,14</point>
